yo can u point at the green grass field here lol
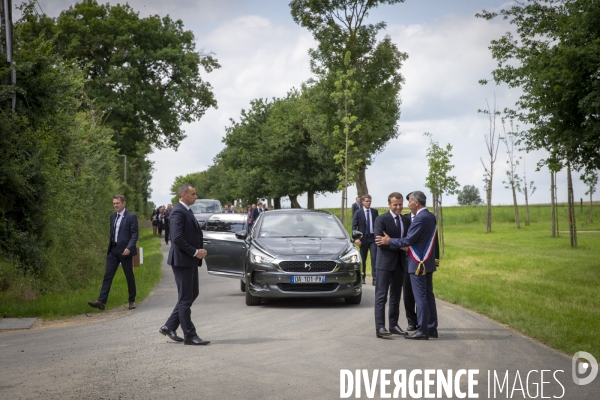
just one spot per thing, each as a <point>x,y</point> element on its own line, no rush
<point>57,305</point>
<point>524,278</point>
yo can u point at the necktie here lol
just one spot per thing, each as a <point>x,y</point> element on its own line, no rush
<point>115,228</point>
<point>368,221</point>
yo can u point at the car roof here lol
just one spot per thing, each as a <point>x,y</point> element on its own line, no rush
<point>298,210</point>
<point>229,217</point>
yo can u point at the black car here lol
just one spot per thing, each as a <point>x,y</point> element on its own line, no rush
<point>293,253</point>
<point>225,252</point>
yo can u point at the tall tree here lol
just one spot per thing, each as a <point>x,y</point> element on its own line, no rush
<point>513,179</point>
<point>492,143</point>
<point>590,178</point>
<point>555,62</point>
<point>339,26</point>
<point>439,182</point>
<point>469,196</point>
<point>346,88</point>
<point>142,73</point>
<point>528,189</point>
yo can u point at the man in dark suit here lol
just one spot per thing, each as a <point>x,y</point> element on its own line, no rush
<point>363,221</point>
<point>391,264</point>
<point>121,249</point>
<point>409,298</point>
<point>185,256</point>
<point>166,214</point>
<point>420,243</point>
<point>356,205</point>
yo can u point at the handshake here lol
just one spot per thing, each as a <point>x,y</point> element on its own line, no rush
<point>385,240</point>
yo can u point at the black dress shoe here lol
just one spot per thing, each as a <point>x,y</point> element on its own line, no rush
<point>96,304</point>
<point>132,305</point>
<point>195,340</point>
<point>411,328</point>
<point>417,336</point>
<point>396,330</point>
<point>170,333</point>
<point>364,282</point>
<point>382,332</point>
<point>433,333</point>
<point>373,282</point>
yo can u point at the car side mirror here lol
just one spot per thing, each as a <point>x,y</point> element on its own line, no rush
<point>356,235</point>
<point>242,235</point>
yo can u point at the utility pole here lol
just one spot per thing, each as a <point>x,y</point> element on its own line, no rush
<point>6,47</point>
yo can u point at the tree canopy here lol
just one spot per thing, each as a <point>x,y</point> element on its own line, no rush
<point>339,27</point>
<point>554,59</point>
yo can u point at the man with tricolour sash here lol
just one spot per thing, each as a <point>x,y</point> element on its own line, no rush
<point>420,243</point>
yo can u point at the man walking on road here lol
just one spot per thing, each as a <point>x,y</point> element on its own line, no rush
<point>121,249</point>
<point>185,257</point>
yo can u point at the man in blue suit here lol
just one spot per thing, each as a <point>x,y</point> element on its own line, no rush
<point>420,243</point>
<point>121,249</point>
<point>391,264</point>
<point>356,206</point>
<point>363,221</point>
<point>185,256</point>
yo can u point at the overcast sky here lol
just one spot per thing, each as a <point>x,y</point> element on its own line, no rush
<point>264,54</point>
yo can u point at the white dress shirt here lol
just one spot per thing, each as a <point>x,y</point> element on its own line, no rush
<point>119,219</point>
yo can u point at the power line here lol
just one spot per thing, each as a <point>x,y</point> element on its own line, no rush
<point>38,3</point>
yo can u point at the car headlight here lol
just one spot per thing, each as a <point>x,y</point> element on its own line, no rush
<point>258,257</point>
<point>351,257</point>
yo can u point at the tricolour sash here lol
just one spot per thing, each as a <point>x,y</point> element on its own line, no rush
<point>421,259</point>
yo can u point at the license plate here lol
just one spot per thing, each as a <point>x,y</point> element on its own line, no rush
<point>308,279</point>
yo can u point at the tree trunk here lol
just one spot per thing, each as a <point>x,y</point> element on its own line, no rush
<point>488,199</point>
<point>361,180</point>
<point>571,205</point>
<point>269,202</point>
<point>294,201</point>
<point>277,203</point>
<point>552,204</point>
<point>528,220</point>
<point>556,205</point>
<point>591,208</point>
<point>517,219</point>
<point>311,200</point>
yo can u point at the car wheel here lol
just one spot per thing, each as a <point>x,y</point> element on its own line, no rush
<point>354,299</point>
<point>242,286</point>
<point>252,300</point>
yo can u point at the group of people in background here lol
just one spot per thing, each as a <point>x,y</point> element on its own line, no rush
<point>160,221</point>
<point>404,254</point>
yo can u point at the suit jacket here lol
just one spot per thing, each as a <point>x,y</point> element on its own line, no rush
<point>387,257</point>
<point>419,234</point>
<point>255,213</point>
<point>128,233</point>
<point>359,221</point>
<point>186,238</point>
<point>355,206</point>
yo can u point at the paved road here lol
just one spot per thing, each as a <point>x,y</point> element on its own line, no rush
<point>281,350</point>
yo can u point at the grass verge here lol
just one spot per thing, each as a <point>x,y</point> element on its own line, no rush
<point>58,305</point>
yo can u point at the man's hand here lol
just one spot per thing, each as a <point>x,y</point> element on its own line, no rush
<point>201,254</point>
<point>357,242</point>
<point>381,240</point>
<point>126,252</point>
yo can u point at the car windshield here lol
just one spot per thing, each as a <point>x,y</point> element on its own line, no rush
<point>206,206</point>
<point>223,223</point>
<point>300,225</point>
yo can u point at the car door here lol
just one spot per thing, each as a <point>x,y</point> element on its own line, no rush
<point>225,253</point>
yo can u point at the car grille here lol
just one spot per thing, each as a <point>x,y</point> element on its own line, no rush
<point>300,266</point>
<point>308,287</point>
